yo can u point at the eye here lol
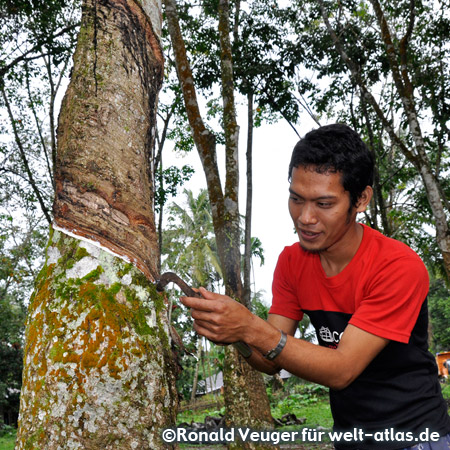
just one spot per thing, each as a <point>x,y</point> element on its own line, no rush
<point>324,204</point>
<point>294,199</point>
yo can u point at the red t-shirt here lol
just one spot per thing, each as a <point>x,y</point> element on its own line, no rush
<point>382,291</point>
<point>382,288</point>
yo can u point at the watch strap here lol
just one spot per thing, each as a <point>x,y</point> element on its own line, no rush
<point>272,354</point>
<point>243,349</point>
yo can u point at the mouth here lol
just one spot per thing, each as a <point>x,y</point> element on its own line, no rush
<point>309,236</point>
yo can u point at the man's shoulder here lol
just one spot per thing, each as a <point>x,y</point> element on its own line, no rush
<point>387,250</point>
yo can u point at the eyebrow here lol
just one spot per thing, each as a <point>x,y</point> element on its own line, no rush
<point>322,197</point>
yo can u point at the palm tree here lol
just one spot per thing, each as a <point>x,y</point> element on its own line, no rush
<point>189,246</point>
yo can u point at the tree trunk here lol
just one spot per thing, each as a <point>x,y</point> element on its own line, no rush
<point>246,402</point>
<point>98,368</point>
<point>248,206</point>
<point>197,368</point>
<point>245,396</point>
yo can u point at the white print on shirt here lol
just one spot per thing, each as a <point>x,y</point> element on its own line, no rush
<point>329,336</point>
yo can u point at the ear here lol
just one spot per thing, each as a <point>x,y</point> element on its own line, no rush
<point>364,199</point>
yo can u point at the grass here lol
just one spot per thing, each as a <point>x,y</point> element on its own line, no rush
<point>305,401</point>
<point>208,405</point>
<point>308,400</point>
<point>8,440</point>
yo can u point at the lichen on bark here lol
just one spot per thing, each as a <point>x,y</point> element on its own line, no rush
<point>98,364</point>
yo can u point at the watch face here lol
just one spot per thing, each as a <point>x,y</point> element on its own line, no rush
<point>272,354</point>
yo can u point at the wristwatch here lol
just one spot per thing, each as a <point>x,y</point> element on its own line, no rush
<point>272,354</point>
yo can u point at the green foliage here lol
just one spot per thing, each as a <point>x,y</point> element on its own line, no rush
<point>259,308</point>
<point>446,391</point>
<point>257,249</point>
<point>259,66</point>
<point>439,310</point>
<point>207,405</point>
<point>21,253</point>
<point>189,246</point>
<point>184,379</point>
<point>401,207</point>
<point>304,400</point>
<point>37,39</point>
<point>169,180</point>
<point>12,324</point>
<point>7,438</point>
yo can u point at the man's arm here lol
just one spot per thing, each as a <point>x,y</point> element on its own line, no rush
<point>221,319</point>
<point>257,360</point>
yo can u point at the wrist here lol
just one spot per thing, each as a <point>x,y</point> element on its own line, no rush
<point>275,351</point>
<point>261,335</point>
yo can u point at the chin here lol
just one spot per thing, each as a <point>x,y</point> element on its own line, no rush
<point>313,250</point>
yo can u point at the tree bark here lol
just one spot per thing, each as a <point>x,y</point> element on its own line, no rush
<point>248,205</point>
<point>98,369</point>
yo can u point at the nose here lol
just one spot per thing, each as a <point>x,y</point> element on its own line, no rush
<point>307,215</point>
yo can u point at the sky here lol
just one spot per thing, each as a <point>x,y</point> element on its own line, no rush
<point>271,223</point>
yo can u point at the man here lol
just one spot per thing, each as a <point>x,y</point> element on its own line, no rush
<point>364,293</point>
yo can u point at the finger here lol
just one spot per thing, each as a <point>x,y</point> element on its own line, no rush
<point>205,316</point>
<point>208,295</point>
<point>204,329</point>
<point>197,303</point>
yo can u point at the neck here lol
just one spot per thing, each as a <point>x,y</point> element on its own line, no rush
<point>337,257</point>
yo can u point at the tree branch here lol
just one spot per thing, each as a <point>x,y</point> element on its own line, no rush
<point>24,158</point>
<point>24,57</point>
<point>355,72</point>
<point>38,126</point>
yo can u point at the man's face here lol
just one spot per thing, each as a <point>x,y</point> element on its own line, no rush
<point>321,210</point>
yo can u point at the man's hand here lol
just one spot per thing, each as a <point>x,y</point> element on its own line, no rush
<point>218,317</point>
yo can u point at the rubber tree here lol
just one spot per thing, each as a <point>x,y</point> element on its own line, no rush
<point>98,368</point>
<point>245,397</point>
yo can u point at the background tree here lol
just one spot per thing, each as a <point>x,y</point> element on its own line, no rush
<point>246,402</point>
<point>189,249</point>
<point>189,245</point>
<point>98,367</point>
<point>260,77</point>
<point>376,58</point>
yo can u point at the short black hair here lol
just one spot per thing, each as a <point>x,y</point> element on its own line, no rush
<point>336,148</point>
